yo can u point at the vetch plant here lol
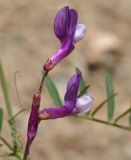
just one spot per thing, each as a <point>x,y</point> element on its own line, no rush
<point>77,101</point>
<point>68,32</point>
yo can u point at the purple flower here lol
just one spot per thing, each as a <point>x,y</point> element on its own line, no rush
<point>33,121</point>
<point>72,104</point>
<point>68,32</point>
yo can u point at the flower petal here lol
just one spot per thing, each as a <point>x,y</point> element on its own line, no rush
<point>65,23</point>
<point>72,91</point>
<point>61,23</point>
<point>53,113</point>
<point>84,103</point>
<point>80,32</point>
<point>72,23</point>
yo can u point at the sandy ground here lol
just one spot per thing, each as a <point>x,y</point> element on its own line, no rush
<point>26,41</point>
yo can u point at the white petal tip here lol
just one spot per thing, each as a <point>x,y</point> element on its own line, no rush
<point>84,103</point>
<point>80,32</point>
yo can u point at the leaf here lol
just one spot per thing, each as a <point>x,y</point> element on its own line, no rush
<point>110,92</point>
<point>53,91</point>
<point>82,82</point>
<point>5,91</point>
<point>83,91</point>
<point>1,118</point>
<point>102,104</point>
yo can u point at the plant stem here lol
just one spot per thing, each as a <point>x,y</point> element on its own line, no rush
<point>6,143</point>
<point>42,81</point>
<point>12,124</point>
<point>122,115</point>
<point>26,152</point>
<point>106,123</point>
<point>22,110</point>
<point>102,104</point>
<point>16,88</point>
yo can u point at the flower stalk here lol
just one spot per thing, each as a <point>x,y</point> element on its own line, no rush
<point>42,81</point>
<point>90,118</point>
<point>6,143</point>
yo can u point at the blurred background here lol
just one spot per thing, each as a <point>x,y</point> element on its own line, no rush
<point>27,40</point>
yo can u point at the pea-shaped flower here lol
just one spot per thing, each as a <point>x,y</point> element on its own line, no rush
<point>68,32</point>
<point>72,104</point>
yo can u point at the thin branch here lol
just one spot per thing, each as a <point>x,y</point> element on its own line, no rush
<point>106,123</point>
<point>122,115</point>
<point>101,104</point>
<point>6,155</point>
<point>16,88</point>
<point>6,143</point>
<point>22,110</point>
<point>42,81</point>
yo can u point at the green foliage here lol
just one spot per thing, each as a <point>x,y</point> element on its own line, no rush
<point>110,92</point>
<point>1,118</point>
<point>53,91</point>
<point>82,92</point>
<point>83,87</point>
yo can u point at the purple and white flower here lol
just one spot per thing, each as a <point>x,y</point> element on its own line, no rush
<point>68,32</point>
<point>72,104</point>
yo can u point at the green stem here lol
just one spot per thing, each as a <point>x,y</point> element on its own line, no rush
<point>122,115</point>
<point>12,124</point>
<point>6,143</point>
<point>16,88</point>
<point>22,110</point>
<point>42,81</point>
<point>102,104</point>
<point>106,123</point>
